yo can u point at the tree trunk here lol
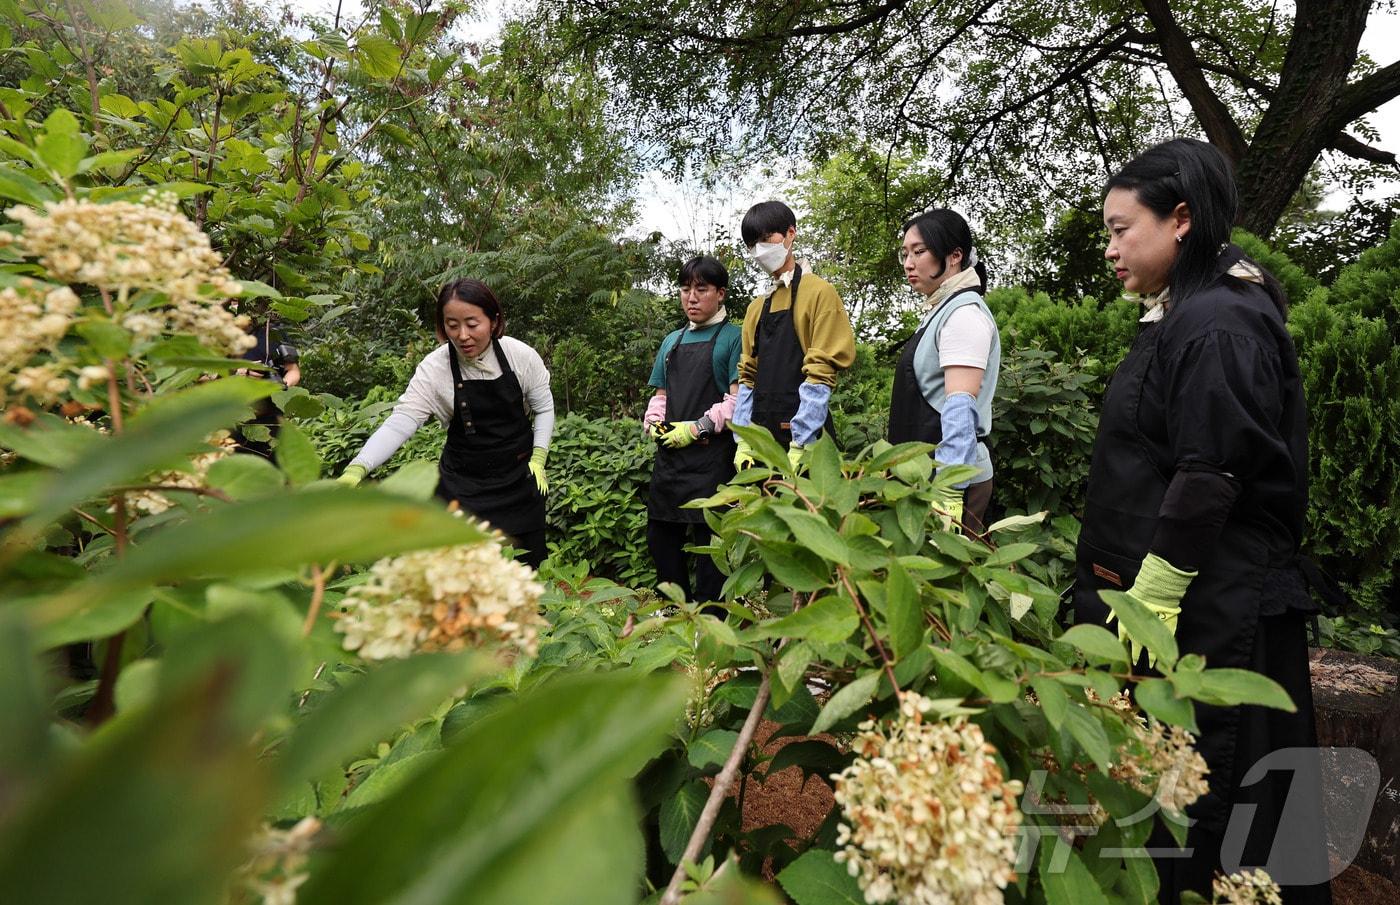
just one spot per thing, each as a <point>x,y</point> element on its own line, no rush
<point>1303,118</point>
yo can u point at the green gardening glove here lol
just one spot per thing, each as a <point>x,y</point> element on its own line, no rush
<point>1159,587</point>
<point>743,456</point>
<point>681,435</point>
<point>948,506</point>
<point>537,469</point>
<point>352,476</point>
<point>653,430</point>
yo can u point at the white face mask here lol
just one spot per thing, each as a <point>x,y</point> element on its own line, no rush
<point>770,255</point>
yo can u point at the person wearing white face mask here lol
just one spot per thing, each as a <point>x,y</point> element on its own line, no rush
<point>796,340</point>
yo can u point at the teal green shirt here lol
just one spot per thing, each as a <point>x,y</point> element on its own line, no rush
<point>728,344</point>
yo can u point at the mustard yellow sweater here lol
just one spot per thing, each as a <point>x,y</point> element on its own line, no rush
<point>822,326</point>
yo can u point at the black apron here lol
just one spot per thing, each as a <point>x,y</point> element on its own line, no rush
<point>780,355</point>
<point>1249,571</point>
<point>912,419</point>
<point>485,462</point>
<point>681,475</point>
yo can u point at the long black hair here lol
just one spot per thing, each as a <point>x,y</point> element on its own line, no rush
<point>1195,173</point>
<point>943,232</point>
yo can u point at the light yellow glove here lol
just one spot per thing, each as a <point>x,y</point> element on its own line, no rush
<point>681,435</point>
<point>795,457</point>
<point>743,456</point>
<point>1159,587</point>
<point>537,469</point>
<point>352,475</point>
<point>653,430</point>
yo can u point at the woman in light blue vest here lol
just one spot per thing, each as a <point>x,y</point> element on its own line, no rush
<point>947,375</point>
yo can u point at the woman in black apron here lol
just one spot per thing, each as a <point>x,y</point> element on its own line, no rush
<point>696,378</point>
<point>946,377</point>
<point>1195,506</point>
<point>492,392</point>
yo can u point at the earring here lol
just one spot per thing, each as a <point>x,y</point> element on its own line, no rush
<point>1178,238</point>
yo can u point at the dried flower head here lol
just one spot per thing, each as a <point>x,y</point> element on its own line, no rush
<point>929,817</point>
<point>124,247</point>
<point>448,599</point>
<point>1247,887</point>
<point>277,866</point>
<point>1160,760</point>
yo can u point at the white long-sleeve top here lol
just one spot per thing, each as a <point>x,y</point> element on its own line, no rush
<point>429,395</point>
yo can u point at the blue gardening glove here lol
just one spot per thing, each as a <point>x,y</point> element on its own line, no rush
<point>813,399</point>
<point>352,475</point>
<point>743,407</point>
<point>681,435</point>
<point>537,469</point>
<point>1159,587</point>
<point>959,423</point>
<point>795,457</point>
<point>948,506</point>
<point>743,456</point>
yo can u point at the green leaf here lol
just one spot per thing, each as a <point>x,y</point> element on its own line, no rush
<point>542,780</point>
<point>107,339</point>
<point>846,701</point>
<point>766,449</point>
<point>245,477</point>
<point>167,798</point>
<point>679,814</point>
<point>148,443</point>
<point>711,749</point>
<point>21,187</point>
<point>26,744</point>
<point>1143,627</point>
<point>904,612</point>
<point>296,455</point>
<point>20,492</point>
<point>50,441</point>
<point>415,480</point>
<point>1009,553</point>
<point>336,523</point>
<point>1095,641</point>
<point>1064,877</point>
<point>816,879</point>
<point>1158,699</point>
<point>352,718</point>
<point>378,56</point>
<point>109,159</point>
<point>1229,687</point>
<point>93,619</point>
<point>1086,729</point>
<point>62,146</point>
<point>813,532</point>
<point>1054,702</point>
<point>388,778</point>
<point>828,620</point>
<point>814,757</point>
<point>796,568</point>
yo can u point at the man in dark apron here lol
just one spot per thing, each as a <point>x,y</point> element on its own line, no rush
<point>485,464</point>
<point>696,376</point>
<point>795,343</point>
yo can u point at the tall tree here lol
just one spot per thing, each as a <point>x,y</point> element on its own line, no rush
<point>1018,98</point>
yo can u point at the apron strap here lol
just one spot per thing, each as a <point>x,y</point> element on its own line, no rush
<point>792,305</point>
<point>461,408</point>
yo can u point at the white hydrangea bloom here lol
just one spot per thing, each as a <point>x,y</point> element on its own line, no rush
<point>1248,887</point>
<point>929,817</point>
<point>126,247</point>
<point>32,321</point>
<point>448,599</point>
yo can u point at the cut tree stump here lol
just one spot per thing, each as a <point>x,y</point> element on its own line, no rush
<point>1357,699</point>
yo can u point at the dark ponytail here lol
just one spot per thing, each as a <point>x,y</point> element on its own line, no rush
<point>945,231</point>
<point>1195,173</point>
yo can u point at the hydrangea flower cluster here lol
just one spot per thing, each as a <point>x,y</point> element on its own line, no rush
<point>929,817</point>
<point>446,599</point>
<point>32,320</point>
<point>126,247</point>
<point>153,502</point>
<point>1248,887</point>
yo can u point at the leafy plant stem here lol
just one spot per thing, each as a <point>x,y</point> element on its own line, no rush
<point>723,782</point>
<point>870,630</point>
<point>318,593</point>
